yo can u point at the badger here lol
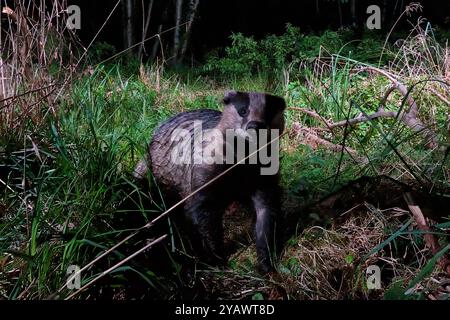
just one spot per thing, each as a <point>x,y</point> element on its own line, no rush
<point>176,157</point>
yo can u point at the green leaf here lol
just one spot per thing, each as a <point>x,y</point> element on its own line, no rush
<point>349,258</point>
<point>34,235</point>
<point>258,296</point>
<point>283,269</point>
<point>443,225</point>
<point>233,264</point>
<point>396,291</point>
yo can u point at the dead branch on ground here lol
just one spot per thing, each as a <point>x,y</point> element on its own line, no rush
<point>408,115</point>
<point>311,138</point>
<point>430,239</point>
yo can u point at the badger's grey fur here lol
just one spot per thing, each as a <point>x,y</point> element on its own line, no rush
<point>244,183</point>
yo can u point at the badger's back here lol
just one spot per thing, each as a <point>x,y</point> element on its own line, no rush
<point>170,175</point>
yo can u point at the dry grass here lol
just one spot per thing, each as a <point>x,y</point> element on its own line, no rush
<point>331,263</point>
<point>37,58</point>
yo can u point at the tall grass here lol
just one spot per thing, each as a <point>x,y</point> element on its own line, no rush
<point>79,174</point>
<point>38,55</point>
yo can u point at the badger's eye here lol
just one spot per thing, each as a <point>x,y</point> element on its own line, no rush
<point>243,112</point>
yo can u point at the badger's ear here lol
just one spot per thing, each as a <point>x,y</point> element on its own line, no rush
<point>275,102</point>
<point>229,96</point>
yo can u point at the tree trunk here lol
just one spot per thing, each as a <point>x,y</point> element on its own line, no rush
<point>176,37</point>
<point>353,12</point>
<point>145,24</point>
<point>193,12</point>
<point>156,44</point>
<point>157,40</point>
<point>128,23</point>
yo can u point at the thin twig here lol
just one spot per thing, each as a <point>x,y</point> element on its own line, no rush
<point>104,273</point>
<point>311,113</point>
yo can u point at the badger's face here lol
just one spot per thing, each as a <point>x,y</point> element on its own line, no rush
<point>252,110</point>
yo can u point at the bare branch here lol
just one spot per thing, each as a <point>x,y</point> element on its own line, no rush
<point>409,117</point>
<point>440,96</point>
<point>311,113</point>
<point>310,137</point>
<point>363,118</point>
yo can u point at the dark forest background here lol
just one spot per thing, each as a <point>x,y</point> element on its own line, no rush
<point>215,21</point>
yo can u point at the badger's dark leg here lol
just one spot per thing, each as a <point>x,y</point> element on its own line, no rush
<point>266,205</point>
<point>207,221</point>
